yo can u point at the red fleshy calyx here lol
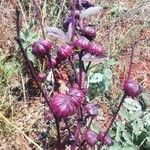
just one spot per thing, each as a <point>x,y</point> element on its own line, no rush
<point>107,140</point>
<point>77,96</point>
<point>131,88</point>
<point>91,137</point>
<point>81,43</point>
<point>65,51</point>
<point>91,109</point>
<point>52,64</point>
<point>88,32</point>
<point>62,106</point>
<point>97,50</point>
<point>41,48</point>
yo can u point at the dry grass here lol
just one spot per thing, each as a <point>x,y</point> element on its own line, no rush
<point>28,115</point>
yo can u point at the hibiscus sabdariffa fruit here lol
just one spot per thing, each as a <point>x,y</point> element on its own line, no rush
<point>61,106</point>
<point>91,137</point>
<point>41,48</point>
<point>132,88</point>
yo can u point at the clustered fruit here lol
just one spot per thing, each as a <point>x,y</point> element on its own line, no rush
<point>67,104</point>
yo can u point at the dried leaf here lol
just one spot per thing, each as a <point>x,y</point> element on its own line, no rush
<point>56,32</point>
<point>70,31</point>
<point>90,11</point>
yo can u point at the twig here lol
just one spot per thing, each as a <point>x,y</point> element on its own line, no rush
<point>38,13</point>
<point>61,10</point>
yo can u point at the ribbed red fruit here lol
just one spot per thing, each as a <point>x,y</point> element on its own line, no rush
<point>52,64</point>
<point>64,51</point>
<point>88,32</point>
<point>81,43</point>
<point>107,140</point>
<point>91,137</point>
<point>41,47</point>
<point>91,109</point>
<point>97,50</point>
<point>77,96</point>
<point>132,88</point>
<point>62,106</point>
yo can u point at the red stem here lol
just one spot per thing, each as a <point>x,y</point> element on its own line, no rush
<point>74,20</point>
<point>44,93</point>
<point>114,116</point>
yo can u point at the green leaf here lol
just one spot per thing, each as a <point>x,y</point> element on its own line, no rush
<point>125,114</point>
<point>95,126</point>
<point>31,57</point>
<point>115,146</point>
<point>145,98</point>
<point>107,74</point>
<point>110,62</point>
<point>96,78</point>
<point>129,147</point>
<point>127,137</point>
<point>118,134</point>
<point>132,104</point>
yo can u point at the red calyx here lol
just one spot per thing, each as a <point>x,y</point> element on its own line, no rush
<point>81,42</point>
<point>91,137</point>
<point>88,32</point>
<point>52,64</point>
<point>107,140</point>
<point>97,50</point>
<point>77,96</point>
<point>91,109</point>
<point>64,52</point>
<point>131,88</point>
<point>62,106</point>
<point>41,48</point>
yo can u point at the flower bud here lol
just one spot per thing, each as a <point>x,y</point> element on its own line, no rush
<point>64,52</point>
<point>77,96</point>
<point>88,32</point>
<point>66,23</point>
<point>41,77</point>
<point>107,140</point>
<point>48,116</point>
<point>92,109</point>
<point>96,50</point>
<point>82,43</point>
<point>131,88</point>
<point>91,137</point>
<point>52,64</point>
<point>86,4</point>
<point>41,48</point>
<point>61,106</point>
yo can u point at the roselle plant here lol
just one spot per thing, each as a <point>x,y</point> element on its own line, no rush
<point>71,106</point>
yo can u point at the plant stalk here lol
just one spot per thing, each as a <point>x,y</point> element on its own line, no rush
<point>74,20</point>
<point>58,133</point>
<point>18,39</point>
<point>114,116</point>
